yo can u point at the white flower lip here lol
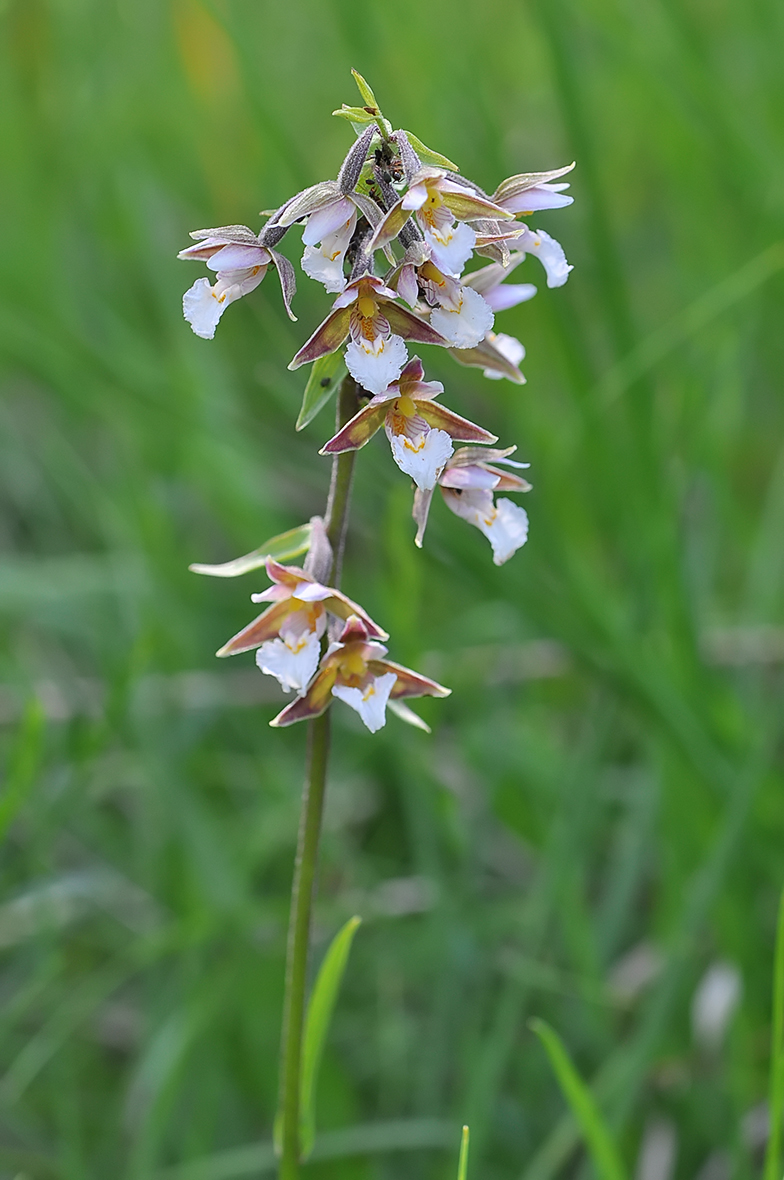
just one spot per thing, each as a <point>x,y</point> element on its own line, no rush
<point>451,247</point>
<point>293,663</point>
<point>379,364</point>
<point>468,323</point>
<point>422,457</point>
<point>550,254</point>
<point>504,523</point>
<point>371,701</point>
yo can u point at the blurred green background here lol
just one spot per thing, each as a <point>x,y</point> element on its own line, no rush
<point>597,819</point>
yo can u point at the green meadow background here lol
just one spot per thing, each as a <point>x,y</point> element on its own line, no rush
<point>598,816</point>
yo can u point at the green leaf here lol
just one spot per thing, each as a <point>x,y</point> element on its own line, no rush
<point>368,97</point>
<point>24,762</point>
<point>354,114</point>
<point>597,1137</point>
<point>320,1009</point>
<point>776,1087</point>
<point>325,376</point>
<point>428,156</point>
<point>281,548</point>
<point>462,1163</point>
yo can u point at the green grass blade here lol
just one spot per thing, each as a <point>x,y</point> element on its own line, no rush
<point>597,1137</point>
<point>281,548</point>
<point>24,762</point>
<point>776,1092</point>
<point>320,1009</point>
<point>325,376</point>
<point>462,1163</point>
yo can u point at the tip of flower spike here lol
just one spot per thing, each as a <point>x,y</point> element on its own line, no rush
<point>367,94</point>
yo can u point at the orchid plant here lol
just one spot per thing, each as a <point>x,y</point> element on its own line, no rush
<point>391,238</point>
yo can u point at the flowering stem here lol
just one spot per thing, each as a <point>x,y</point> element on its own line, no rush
<point>302,890</point>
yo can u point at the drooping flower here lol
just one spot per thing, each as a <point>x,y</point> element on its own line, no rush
<point>549,252</point>
<point>504,523</point>
<point>490,283</point>
<point>460,313</point>
<point>356,671</point>
<point>442,207</point>
<point>499,354</point>
<point>367,311</point>
<point>509,347</point>
<point>468,482</point>
<point>420,430</point>
<point>241,262</point>
<point>288,633</point>
<point>530,192</point>
<point>327,236</point>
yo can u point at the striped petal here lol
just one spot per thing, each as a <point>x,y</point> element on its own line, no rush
<point>327,338</point>
<point>315,701</point>
<point>411,327</point>
<point>460,429</point>
<point>266,626</point>
<point>409,683</point>
<point>358,431</point>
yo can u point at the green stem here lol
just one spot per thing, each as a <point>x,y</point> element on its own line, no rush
<point>305,866</point>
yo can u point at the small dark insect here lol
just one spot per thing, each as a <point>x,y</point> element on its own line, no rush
<point>325,382</point>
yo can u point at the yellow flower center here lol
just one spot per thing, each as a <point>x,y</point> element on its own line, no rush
<point>431,274</point>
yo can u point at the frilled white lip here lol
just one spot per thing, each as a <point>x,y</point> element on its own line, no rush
<point>203,305</point>
<point>468,323</point>
<point>423,456</point>
<point>370,701</point>
<point>549,252</point>
<point>376,364</point>
<point>504,523</point>
<point>294,663</point>
<point>451,246</point>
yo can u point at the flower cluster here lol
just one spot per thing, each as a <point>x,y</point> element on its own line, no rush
<point>391,238</point>
<point>287,637</point>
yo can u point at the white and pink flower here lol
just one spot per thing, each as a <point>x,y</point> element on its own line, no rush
<point>468,483</point>
<point>420,430</point>
<point>240,261</point>
<point>356,671</point>
<point>288,633</point>
<point>367,311</point>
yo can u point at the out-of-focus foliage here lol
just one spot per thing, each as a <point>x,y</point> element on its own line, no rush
<point>598,816</point>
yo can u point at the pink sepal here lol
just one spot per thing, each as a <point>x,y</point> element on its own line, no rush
<point>286,575</point>
<point>411,327</point>
<point>360,429</point>
<point>408,683</point>
<point>461,429</point>
<point>327,338</point>
<point>407,286</point>
<point>265,627</point>
<point>313,703</point>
